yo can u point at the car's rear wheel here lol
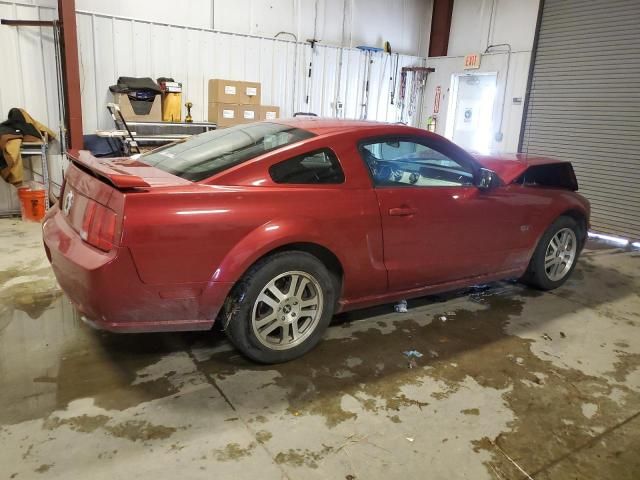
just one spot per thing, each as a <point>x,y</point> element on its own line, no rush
<point>556,255</point>
<point>280,308</point>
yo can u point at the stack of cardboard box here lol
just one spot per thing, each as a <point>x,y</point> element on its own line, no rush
<point>232,102</point>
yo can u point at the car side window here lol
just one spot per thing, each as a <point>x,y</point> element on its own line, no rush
<point>317,167</point>
<point>409,163</point>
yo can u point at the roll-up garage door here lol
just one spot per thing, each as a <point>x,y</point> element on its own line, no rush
<point>584,104</point>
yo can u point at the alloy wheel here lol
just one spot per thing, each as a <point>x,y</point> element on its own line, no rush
<point>287,310</point>
<point>560,254</point>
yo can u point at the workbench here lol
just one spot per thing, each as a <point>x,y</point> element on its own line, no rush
<point>154,134</point>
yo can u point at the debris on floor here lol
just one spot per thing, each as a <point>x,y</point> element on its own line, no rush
<point>401,306</point>
<point>480,293</point>
<point>412,355</point>
<point>547,337</point>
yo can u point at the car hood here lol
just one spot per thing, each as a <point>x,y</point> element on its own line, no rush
<point>510,166</point>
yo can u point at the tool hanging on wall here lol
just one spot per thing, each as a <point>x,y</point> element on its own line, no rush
<point>369,53</point>
<point>417,82</point>
<point>394,78</point>
<point>294,99</point>
<point>402,93</point>
<point>312,42</point>
<point>393,70</point>
<point>338,105</point>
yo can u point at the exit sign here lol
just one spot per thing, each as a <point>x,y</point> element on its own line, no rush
<point>472,61</point>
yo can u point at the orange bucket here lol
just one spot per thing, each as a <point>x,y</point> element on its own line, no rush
<point>32,204</point>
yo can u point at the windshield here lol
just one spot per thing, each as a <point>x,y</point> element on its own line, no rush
<point>204,155</point>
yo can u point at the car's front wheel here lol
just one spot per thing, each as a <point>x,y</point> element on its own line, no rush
<point>556,255</point>
<point>280,308</point>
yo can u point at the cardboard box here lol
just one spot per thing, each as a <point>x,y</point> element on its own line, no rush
<point>225,91</point>
<point>139,111</point>
<point>269,112</point>
<point>223,114</point>
<point>248,113</point>
<point>250,93</point>
<point>171,87</point>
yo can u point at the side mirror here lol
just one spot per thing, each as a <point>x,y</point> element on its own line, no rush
<point>486,179</point>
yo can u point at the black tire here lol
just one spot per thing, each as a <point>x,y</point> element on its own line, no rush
<point>536,275</point>
<point>237,314</point>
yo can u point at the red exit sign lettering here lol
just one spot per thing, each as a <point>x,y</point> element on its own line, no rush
<point>472,61</point>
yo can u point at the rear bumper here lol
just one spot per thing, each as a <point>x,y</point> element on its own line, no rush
<point>107,291</point>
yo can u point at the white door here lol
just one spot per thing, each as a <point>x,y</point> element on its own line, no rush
<point>472,102</point>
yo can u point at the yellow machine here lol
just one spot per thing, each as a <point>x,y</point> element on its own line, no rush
<point>171,100</point>
<point>172,107</point>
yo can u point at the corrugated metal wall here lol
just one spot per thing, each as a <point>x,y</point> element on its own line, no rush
<point>116,46</point>
<point>111,46</point>
<point>584,104</point>
<point>28,77</point>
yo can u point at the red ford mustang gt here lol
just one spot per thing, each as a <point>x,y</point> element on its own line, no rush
<point>273,227</point>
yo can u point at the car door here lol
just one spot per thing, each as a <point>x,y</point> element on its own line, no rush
<point>437,225</point>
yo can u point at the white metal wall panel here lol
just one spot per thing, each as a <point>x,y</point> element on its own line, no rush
<point>584,104</point>
<point>28,77</point>
<point>110,47</point>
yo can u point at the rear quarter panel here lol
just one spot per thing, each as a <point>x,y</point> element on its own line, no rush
<point>214,233</point>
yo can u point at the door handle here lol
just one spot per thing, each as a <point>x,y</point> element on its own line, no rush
<point>402,211</point>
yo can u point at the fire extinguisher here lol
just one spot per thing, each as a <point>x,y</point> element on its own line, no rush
<point>432,123</point>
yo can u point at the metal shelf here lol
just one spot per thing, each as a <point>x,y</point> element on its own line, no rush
<point>36,149</point>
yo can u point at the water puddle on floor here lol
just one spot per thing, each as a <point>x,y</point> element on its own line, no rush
<point>481,337</point>
<point>49,357</point>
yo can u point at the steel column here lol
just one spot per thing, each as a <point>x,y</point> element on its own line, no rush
<point>440,27</point>
<point>71,73</point>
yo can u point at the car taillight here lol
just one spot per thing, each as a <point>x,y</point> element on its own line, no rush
<point>98,226</point>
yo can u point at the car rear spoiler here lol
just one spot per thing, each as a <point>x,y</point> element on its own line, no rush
<point>117,178</point>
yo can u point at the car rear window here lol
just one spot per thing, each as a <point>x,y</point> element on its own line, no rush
<point>201,156</point>
<point>317,167</point>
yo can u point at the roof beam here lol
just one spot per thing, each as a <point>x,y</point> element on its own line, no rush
<point>440,27</point>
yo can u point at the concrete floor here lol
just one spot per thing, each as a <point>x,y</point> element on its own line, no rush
<point>511,381</point>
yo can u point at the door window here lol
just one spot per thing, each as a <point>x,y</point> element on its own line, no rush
<point>409,163</point>
<point>320,166</point>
